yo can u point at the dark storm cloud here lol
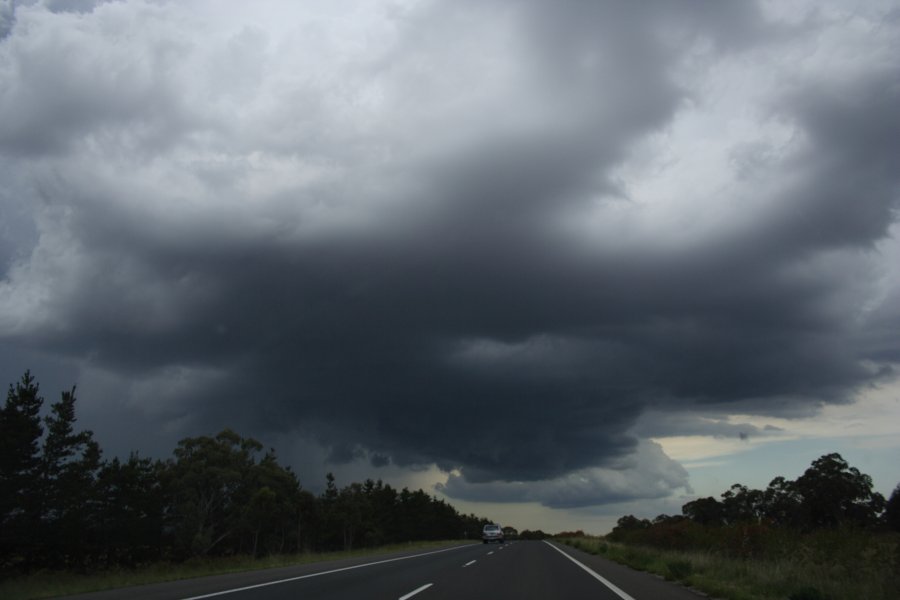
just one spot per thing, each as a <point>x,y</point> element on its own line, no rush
<point>379,256</point>
<point>7,17</point>
<point>846,189</point>
<point>653,423</point>
<point>74,6</point>
<point>646,473</point>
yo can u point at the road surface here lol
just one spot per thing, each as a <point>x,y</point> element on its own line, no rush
<point>517,570</point>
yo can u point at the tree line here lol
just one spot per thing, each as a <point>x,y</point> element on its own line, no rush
<point>62,505</point>
<point>830,495</point>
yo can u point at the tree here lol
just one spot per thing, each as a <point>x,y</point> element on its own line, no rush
<point>330,527</point>
<point>741,504</point>
<point>307,520</point>
<point>665,519</point>
<point>20,468</point>
<point>835,493</point>
<point>627,524</point>
<point>132,505</point>
<point>352,509</point>
<point>207,482</point>
<point>271,515</point>
<point>630,522</point>
<point>383,502</point>
<point>61,506</point>
<point>782,501</point>
<point>71,462</point>
<point>527,534</point>
<point>705,511</point>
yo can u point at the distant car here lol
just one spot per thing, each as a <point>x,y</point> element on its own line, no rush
<point>492,533</point>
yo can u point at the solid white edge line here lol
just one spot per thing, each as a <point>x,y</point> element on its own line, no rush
<point>596,576</point>
<point>416,591</point>
<point>268,583</point>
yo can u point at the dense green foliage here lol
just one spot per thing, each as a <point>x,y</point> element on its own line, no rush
<point>829,495</point>
<point>63,506</point>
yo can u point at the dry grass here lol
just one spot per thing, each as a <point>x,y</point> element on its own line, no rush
<point>51,584</point>
<point>823,566</point>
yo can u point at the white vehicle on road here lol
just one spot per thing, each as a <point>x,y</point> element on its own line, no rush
<point>492,533</point>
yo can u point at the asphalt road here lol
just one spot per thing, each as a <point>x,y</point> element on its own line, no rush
<point>517,570</point>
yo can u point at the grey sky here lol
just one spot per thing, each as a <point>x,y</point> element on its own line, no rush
<point>518,241</point>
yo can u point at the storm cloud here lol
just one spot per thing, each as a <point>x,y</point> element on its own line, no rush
<point>488,236</point>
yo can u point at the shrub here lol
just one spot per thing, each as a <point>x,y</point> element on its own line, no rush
<point>679,569</point>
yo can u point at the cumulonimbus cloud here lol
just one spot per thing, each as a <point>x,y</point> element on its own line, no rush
<point>485,237</point>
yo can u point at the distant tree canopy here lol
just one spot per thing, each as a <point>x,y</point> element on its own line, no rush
<point>829,494</point>
<point>63,506</point>
<point>537,534</point>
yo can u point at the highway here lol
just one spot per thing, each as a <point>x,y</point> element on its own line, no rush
<point>516,570</point>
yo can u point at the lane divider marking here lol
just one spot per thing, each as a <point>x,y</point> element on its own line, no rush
<point>276,582</point>
<point>595,575</point>
<point>416,591</point>
<point>491,552</point>
<point>471,562</point>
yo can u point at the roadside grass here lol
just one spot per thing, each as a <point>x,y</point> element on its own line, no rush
<point>51,584</point>
<point>822,566</point>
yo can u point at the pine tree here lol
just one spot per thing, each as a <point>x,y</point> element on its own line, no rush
<point>71,462</point>
<point>20,468</point>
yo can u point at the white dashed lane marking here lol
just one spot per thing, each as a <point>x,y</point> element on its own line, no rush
<point>416,591</point>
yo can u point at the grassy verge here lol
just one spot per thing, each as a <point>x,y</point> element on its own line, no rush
<point>817,569</point>
<point>50,584</point>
